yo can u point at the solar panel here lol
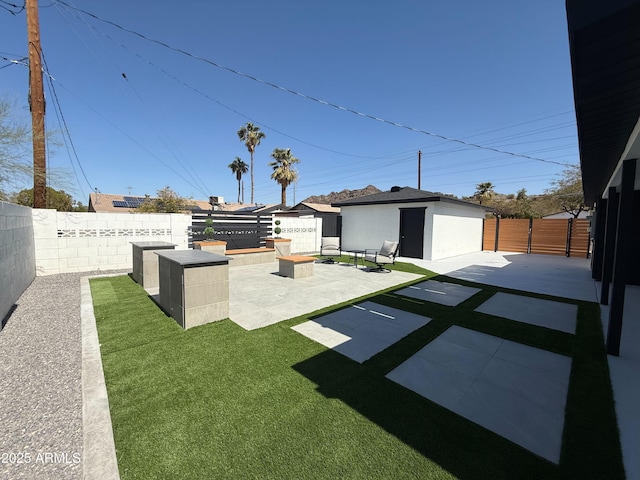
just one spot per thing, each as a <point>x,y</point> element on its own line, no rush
<point>119,203</point>
<point>134,202</point>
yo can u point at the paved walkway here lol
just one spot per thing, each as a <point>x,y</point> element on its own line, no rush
<point>41,421</point>
<point>546,274</point>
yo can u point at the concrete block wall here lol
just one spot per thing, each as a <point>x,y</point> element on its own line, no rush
<point>17,254</point>
<point>305,233</point>
<point>84,241</point>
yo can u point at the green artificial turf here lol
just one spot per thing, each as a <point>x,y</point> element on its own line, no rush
<point>220,402</point>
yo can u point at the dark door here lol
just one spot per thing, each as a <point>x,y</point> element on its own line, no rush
<point>412,232</point>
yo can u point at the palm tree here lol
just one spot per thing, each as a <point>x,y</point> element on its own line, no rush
<point>283,173</point>
<point>238,168</point>
<point>251,136</point>
<point>484,191</point>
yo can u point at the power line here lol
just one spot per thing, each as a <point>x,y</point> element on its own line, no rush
<point>197,183</point>
<point>12,5</point>
<point>66,128</point>
<point>149,152</point>
<point>308,97</point>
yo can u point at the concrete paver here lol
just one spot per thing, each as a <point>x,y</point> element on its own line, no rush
<point>443,293</point>
<point>514,390</point>
<point>535,311</point>
<point>363,330</point>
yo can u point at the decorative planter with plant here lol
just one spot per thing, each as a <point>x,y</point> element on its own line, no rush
<point>277,230</point>
<point>209,230</point>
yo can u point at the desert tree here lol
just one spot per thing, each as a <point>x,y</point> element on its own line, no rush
<point>238,168</point>
<point>167,201</point>
<point>283,172</point>
<point>566,192</point>
<point>251,135</point>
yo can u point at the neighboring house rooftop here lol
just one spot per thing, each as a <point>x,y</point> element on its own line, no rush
<point>117,203</point>
<point>316,207</point>
<point>405,195</point>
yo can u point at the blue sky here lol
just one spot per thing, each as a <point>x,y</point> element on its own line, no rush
<point>493,73</point>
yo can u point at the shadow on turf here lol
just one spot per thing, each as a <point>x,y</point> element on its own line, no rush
<point>464,449</point>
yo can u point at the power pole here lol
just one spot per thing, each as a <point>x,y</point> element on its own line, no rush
<point>419,167</point>
<point>36,105</point>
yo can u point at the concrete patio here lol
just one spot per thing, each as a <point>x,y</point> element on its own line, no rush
<point>259,297</point>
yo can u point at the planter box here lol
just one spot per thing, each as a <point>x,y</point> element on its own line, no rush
<point>282,246</point>
<point>214,246</point>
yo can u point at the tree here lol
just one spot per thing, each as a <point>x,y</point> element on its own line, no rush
<point>238,168</point>
<point>15,138</point>
<point>484,191</point>
<point>167,201</point>
<point>567,192</point>
<point>283,173</point>
<point>251,136</point>
<point>16,162</point>
<point>57,199</point>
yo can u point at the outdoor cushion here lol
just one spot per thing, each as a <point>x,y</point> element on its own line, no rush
<point>330,246</point>
<point>388,248</point>
<point>386,254</point>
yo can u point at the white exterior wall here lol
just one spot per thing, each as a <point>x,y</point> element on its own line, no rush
<point>367,226</point>
<point>456,230</point>
<point>79,241</point>
<point>305,233</point>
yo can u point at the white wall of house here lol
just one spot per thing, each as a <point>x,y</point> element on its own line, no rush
<point>367,226</point>
<point>456,230</point>
<point>78,241</point>
<point>449,229</point>
<point>305,233</point>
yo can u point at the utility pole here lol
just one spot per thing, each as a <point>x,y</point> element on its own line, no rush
<point>36,105</point>
<point>419,167</point>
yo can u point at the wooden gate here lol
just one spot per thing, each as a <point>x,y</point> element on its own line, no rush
<point>548,236</point>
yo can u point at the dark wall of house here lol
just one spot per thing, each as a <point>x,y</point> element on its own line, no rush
<point>634,267</point>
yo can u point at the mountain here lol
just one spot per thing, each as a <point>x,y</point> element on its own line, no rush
<point>343,195</point>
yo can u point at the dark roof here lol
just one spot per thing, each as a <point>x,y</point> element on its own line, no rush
<point>404,195</point>
<point>604,40</point>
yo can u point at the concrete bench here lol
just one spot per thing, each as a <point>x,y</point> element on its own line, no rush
<point>296,266</point>
<point>251,256</point>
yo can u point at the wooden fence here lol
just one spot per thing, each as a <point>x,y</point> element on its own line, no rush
<point>238,230</point>
<point>568,237</point>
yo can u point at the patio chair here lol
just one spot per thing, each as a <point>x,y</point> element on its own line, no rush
<point>330,248</point>
<point>385,256</point>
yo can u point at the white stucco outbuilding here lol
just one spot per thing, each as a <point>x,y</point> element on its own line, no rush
<point>427,225</point>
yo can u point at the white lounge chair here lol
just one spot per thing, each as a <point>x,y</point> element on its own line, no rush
<point>330,248</point>
<point>385,256</point>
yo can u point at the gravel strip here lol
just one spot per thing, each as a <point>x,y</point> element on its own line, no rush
<point>41,382</point>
